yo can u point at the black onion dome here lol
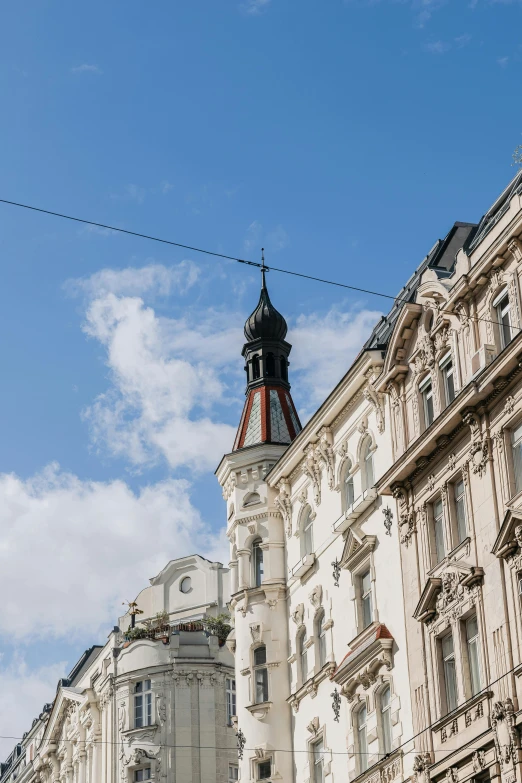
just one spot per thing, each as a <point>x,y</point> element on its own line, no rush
<point>265,322</point>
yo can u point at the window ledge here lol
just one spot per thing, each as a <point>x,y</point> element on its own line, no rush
<point>304,565</point>
<point>385,770</point>
<point>260,711</point>
<point>359,505</point>
<point>141,733</point>
<point>310,687</point>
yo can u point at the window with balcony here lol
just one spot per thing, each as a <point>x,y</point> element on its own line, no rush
<point>426,392</point>
<point>503,312</point>
<point>260,675</point>
<point>349,494</point>
<point>459,497</point>
<point>448,377</point>
<point>303,656</point>
<point>321,638</point>
<point>365,599</point>
<point>516,450</point>
<point>386,724</point>
<point>438,530</point>
<point>473,654</point>
<point>362,738</point>
<point>143,704</point>
<point>449,672</point>
<point>257,558</point>
<point>230,688</point>
<point>368,473</point>
<point>307,537</point>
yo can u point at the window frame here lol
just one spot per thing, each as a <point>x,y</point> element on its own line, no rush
<point>259,764</point>
<point>306,533</point>
<point>321,639</point>
<point>302,653</point>
<point>347,481</point>
<point>516,463</point>
<point>427,383</point>
<point>258,565</point>
<point>235,778</point>
<point>462,499</point>
<point>438,522</point>
<point>317,761</point>
<point>450,706</point>
<point>230,699</point>
<point>385,721</point>
<point>362,748</point>
<point>501,309</point>
<point>147,704</point>
<point>475,640</point>
<point>135,777</point>
<point>446,364</point>
<point>258,668</point>
<point>366,458</point>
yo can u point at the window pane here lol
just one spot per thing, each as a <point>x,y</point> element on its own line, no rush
<point>370,480</point>
<point>261,676</point>
<point>349,494</point>
<point>460,509</point>
<point>264,770</point>
<point>447,645</point>
<point>504,322</point>
<point>362,739</point>
<point>448,383</point>
<point>138,711</point>
<point>147,685</point>
<point>427,395</point>
<point>317,751</point>
<point>322,647</point>
<point>386,721</point>
<point>233,773</point>
<point>148,703</point>
<point>450,675</point>
<point>438,527</point>
<point>258,563</point>
<point>517,458</point>
<point>138,687</point>
<point>259,656</point>
<point>473,654</point>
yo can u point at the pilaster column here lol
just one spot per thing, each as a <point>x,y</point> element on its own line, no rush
<point>243,557</point>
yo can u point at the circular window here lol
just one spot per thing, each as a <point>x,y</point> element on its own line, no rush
<point>186,584</point>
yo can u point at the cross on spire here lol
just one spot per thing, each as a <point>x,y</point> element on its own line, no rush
<point>263,268</point>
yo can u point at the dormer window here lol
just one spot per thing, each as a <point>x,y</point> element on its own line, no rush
<point>426,390</point>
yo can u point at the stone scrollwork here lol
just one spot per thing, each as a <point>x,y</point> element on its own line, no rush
<point>506,739</point>
<point>479,448</point>
<point>284,504</point>
<point>376,401</point>
<point>326,452</point>
<point>298,614</point>
<point>312,469</point>
<point>421,768</point>
<point>316,596</point>
<point>424,356</point>
<point>479,760</point>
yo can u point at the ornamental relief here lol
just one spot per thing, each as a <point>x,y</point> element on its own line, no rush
<point>284,504</point>
<point>459,592</point>
<point>506,737</point>
<point>324,449</point>
<point>312,469</point>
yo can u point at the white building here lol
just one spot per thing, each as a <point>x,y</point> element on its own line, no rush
<point>319,639</point>
<point>153,704</point>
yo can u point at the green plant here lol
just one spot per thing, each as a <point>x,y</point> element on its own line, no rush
<point>136,633</point>
<point>218,626</point>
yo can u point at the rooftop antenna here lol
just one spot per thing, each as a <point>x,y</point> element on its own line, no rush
<point>133,611</point>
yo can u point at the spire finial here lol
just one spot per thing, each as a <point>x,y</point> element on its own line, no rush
<point>263,268</point>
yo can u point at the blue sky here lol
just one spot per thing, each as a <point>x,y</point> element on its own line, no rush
<point>345,137</point>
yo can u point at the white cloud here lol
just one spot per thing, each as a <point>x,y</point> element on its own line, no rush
<point>257,237</point>
<point>86,68</point>
<point>255,7</point>
<point>71,550</point>
<point>437,47</point>
<point>22,697</point>
<point>324,348</point>
<point>166,186</point>
<point>131,281</point>
<point>503,61</point>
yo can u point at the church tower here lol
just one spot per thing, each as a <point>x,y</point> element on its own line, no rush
<point>255,529</point>
<point>269,415</point>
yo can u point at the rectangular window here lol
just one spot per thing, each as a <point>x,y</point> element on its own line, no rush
<point>318,761</point>
<point>472,640</point>
<point>231,699</point>
<point>366,599</point>
<point>516,441</point>
<point>450,673</point>
<point>362,740</point>
<point>438,530</point>
<point>504,321</point>
<point>260,675</point>
<point>142,704</point>
<point>233,773</point>
<point>446,367</point>
<point>142,775</point>
<point>386,720</point>
<point>322,641</point>
<point>427,401</point>
<point>264,770</point>
<point>460,510</point>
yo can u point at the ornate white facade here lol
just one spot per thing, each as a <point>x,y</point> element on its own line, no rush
<point>157,708</point>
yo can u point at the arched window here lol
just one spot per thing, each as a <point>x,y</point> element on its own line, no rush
<point>307,542</point>
<point>284,368</point>
<point>321,638</point>
<point>348,486</point>
<point>270,365</point>
<point>362,739</point>
<point>257,560</point>
<point>255,368</point>
<point>303,657</point>
<point>260,675</point>
<point>367,462</point>
<point>386,725</point>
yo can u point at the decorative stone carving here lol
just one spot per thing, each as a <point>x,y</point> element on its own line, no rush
<point>256,631</point>
<point>161,709</point>
<point>506,740</point>
<point>509,405</point>
<point>298,614</point>
<point>515,248</point>
<point>376,401</point>
<point>316,596</point>
<point>312,469</point>
<point>424,356</point>
<point>407,528</point>
<point>362,427</point>
<point>421,764</point>
<point>452,461</point>
<point>325,449</point>
<point>431,482</point>
<point>415,410</point>
<point>229,486</point>
<point>441,338</point>
<point>479,760</point>
<point>513,301</point>
<point>388,519</point>
<point>452,775</point>
<point>479,448</point>
<point>474,714</point>
<point>313,726</point>
<point>121,716</point>
<point>283,503</point>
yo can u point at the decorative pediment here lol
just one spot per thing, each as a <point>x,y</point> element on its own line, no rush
<point>370,651</point>
<point>356,549</point>
<point>508,544</point>
<point>445,595</point>
<point>405,326</point>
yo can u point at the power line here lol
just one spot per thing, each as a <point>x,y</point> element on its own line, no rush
<point>227,257</point>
